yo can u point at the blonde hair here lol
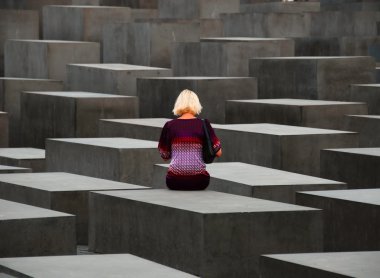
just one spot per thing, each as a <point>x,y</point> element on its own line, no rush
<point>187,102</point>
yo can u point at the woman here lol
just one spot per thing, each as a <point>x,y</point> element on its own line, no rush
<point>182,140</point>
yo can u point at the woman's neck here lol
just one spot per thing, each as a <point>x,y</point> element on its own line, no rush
<point>187,116</point>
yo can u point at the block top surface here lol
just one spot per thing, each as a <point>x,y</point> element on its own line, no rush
<point>203,201</point>
<point>313,58</point>
<point>241,39</point>
<point>296,102</point>
<point>52,42</point>
<point>366,116</point>
<point>22,153</point>
<point>197,78</point>
<point>360,151</point>
<point>3,113</point>
<point>90,266</point>
<point>151,122</point>
<point>20,79</point>
<point>366,85</point>
<point>114,143</point>
<point>10,168</point>
<point>117,67</point>
<point>89,7</point>
<point>56,182</point>
<point>76,95</point>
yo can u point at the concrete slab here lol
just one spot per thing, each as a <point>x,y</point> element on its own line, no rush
<point>255,181</point>
<point>369,93</point>
<point>350,6</point>
<point>118,79</point>
<point>88,266</point>
<point>368,128</point>
<point>58,191</point>
<point>23,157</point>
<point>30,231</point>
<point>201,221</point>
<point>11,169</point>
<point>358,167</point>
<point>38,4</point>
<point>4,130</point>
<point>118,159</point>
<point>299,112</point>
<point>347,214</point>
<point>280,7</point>
<point>69,114</point>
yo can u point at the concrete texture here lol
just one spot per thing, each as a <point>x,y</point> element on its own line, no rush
<point>118,79</point>
<point>23,157</point>
<point>69,114</point>
<point>299,112</point>
<point>118,159</point>
<point>368,128</point>
<point>30,231</point>
<point>327,265</point>
<point>11,169</point>
<point>221,56</point>
<point>377,74</point>
<point>351,218</point>
<point>58,191</point>
<point>326,78</point>
<point>255,181</point>
<point>358,167</point>
<point>212,93</point>
<point>216,234</point>
<point>46,58</point>
<point>88,266</point>
<point>351,6</point>
<point>369,93</point>
<point>4,129</point>
<point>280,7</point>
<point>39,4</point>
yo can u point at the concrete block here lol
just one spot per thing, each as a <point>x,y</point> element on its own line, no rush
<point>299,112</point>
<point>346,215</point>
<point>255,181</point>
<point>369,93</point>
<point>88,266</point>
<point>30,231</point>
<point>368,128</point>
<point>212,93</point>
<point>289,148</point>
<point>377,74</point>
<point>4,130</point>
<point>118,79</point>
<point>58,191</point>
<point>280,7</point>
<point>10,94</point>
<point>11,169</point>
<point>69,114</point>
<point>142,14</point>
<point>118,159</point>
<point>147,42</point>
<point>46,59</point>
<point>23,157</point>
<point>39,4</point>
<point>327,265</point>
<point>211,27</point>
<point>216,234</point>
<point>358,167</point>
<point>325,78</point>
<point>351,6</point>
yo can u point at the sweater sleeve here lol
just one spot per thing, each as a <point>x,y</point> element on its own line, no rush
<point>216,145</point>
<point>164,145</point>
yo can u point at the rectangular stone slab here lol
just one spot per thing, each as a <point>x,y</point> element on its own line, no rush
<point>369,93</point>
<point>11,169</point>
<point>4,130</point>
<point>58,191</point>
<point>327,265</point>
<point>216,234</point>
<point>88,266</point>
<point>31,231</point>
<point>351,217</point>
<point>255,181</point>
<point>23,157</point>
<point>368,128</point>
<point>118,159</point>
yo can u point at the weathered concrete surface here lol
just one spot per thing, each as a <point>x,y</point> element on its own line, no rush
<point>247,227</point>
<point>11,169</point>
<point>39,4</point>
<point>289,148</point>
<point>46,58</point>
<point>58,191</point>
<point>351,218</point>
<point>220,56</point>
<point>10,92</point>
<point>212,93</point>
<point>369,93</point>
<point>255,181</point>
<point>23,157</point>
<point>211,27</point>
<point>351,6</point>
<point>358,167</point>
<point>69,114</point>
<point>299,112</point>
<point>118,159</point>
<point>147,42</point>
<point>327,265</point>
<point>88,266</point>
<point>325,78</point>
<point>4,130</point>
<point>377,74</point>
<point>30,231</point>
<point>368,128</point>
<point>118,79</point>
<point>280,7</point>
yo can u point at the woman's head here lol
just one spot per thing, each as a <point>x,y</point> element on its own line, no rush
<point>187,102</point>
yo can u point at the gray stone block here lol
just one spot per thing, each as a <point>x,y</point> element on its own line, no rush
<point>358,167</point>
<point>141,14</point>
<point>280,7</point>
<point>368,128</point>
<point>46,58</point>
<point>118,79</point>
<point>351,218</point>
<point>11,169</point>
<point>289,148</point>
<point>357,6</point>
<point>58,191</point>
<point>118,159</point>
<point>212,93</point>
<point>69,114</point>
<point>377,74</point>
<point>4,130</point>
<point>325,78</point>
<point>369,93</point>
<point>299,112</point>
<point>211,27</point>
<point>255,181</point>
<point>30,231</point>
<point>327,265</point>
<point>39,4</point>
<point>23,157</point>
<point>216,234</point>
<point>88,266</point>
<point>10,94</point>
